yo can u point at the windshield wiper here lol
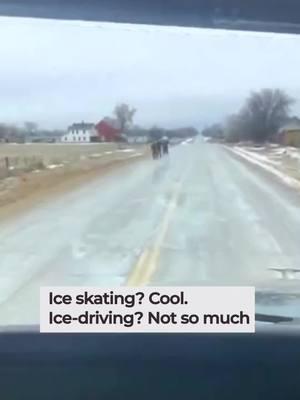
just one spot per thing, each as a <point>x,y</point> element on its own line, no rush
<point>274,319</point>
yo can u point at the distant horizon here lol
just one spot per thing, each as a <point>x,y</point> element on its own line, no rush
<point>43,128</point>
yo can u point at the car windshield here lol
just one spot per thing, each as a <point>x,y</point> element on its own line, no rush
<point>142,155</point>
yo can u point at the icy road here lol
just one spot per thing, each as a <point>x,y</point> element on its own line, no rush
<point>199,216</point>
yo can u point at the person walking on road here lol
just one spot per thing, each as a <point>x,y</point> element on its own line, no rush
<point>165,145</point>
<point>159,149</point>
<point>154,150</point>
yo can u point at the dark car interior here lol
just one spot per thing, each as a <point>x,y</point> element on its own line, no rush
<point>264,365</point>
<point>149,366</point>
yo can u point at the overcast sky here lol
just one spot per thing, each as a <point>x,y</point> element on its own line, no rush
<point>59,72</point>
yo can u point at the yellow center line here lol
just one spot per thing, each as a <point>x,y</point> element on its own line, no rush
<point>148,261</point>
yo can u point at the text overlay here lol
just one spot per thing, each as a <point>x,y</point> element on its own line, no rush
<point>147,309</point>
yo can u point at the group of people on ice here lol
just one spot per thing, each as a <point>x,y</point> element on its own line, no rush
<point>160,147</point>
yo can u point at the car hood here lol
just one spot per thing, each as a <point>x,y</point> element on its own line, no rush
<point>272,296</point>
<point>278,303</point>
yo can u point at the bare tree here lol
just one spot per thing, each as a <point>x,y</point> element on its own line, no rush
<point>236,128</point>
<point>124,115</point>
<point>214,131</point>
<point>264,112</point>
<point>11,133</point>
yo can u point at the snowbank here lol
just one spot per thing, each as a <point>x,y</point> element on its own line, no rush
<point>254,159</point>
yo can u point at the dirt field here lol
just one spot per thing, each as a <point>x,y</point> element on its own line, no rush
<point>55,153</point>
<point>61,168</point>
<point>27,157</point>
<point>50,149</point>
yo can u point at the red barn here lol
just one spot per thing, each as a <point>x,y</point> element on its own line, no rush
<point>107,131</point>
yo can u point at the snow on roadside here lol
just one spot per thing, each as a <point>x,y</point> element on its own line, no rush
<point>52,166</point>
<point>293,153</point>
<point>126,150</point>
<point>258,148</point>
<point>185,142</point>
<point>259,157</point>
<point>135,155</point>
<point>95,155</point>
<point>292,182</point>
<point>279,151</point>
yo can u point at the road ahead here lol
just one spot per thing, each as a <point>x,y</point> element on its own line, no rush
<point>199,217</point>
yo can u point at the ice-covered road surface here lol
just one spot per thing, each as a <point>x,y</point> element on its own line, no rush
<point>200,216</point>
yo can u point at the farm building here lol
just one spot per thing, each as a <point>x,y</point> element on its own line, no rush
<point>108,130</point>
<point>289,133</point>
<point>80,132</point>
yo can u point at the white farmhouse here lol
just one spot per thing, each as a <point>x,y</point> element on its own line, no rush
<point>80,133</point>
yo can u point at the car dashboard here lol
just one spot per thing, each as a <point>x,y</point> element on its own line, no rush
<point>147,366</point>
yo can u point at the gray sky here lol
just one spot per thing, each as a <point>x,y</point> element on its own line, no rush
<point>59,72</point>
